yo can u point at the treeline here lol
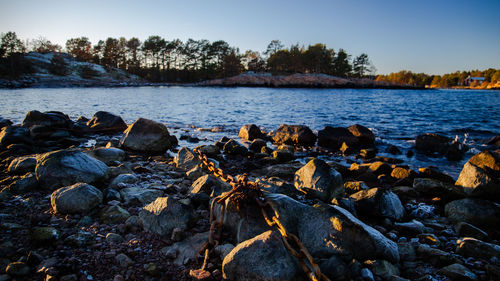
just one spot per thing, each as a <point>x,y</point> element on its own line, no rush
<point>159,60</point>
<point>457,79</point>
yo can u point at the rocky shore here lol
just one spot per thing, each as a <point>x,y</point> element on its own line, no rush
<point>99,199</point>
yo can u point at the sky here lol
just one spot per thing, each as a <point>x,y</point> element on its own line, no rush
<point>434,37</point>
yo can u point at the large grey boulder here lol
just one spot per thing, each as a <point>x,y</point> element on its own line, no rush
<point>263,257</point>
<point>105,122</point>
<point>473,211</point>
<point>318,180</point>
<point>480,176</point>
<point>138,195</point>
<point>378,202</point>
<point>65,167</point>
<point>186,159</point>
<point>164,214</point>
<point>209,184</point>
<point>294,135</point>
<point>77,198</point>
<point>146,136</point>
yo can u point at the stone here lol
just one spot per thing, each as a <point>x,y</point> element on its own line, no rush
<point>458,272</point>
<point>298,135</point>
<point>378,202</point>
<point>49,119</point>
<point>429,239</point>
<point>334,268</point>
<point>123,180</point>
<point>186,159</point>
<point>223,250</point>
<point>105,122</point>
<point>319,180</point>
<point>367,153</point>
<point>109,155</point>
<point>77,198</point>
<point>18,269</point>
<point>209,150</point>
<point>209,184</point>
<point>67,167</point>
<point>433,173</point>
<point>480,175</point>
<point>250,132</point>
<point>435,144</point>
<point>352,187</point>
<point>380,168</point>
<point>257,145</point>
<point>474,211</point>
<point>394,150</point>
<point>433,188</point>
<point>4,122</point>
<point>232,147</point>
<point>263,257</point>
<point>406,251</point>
<point>367,275</point>
<point>152,269</point>
<point>464,229</point>
<point>24,184</point>
<point>283,156</point>
<point>15,135</point>
<point>333,138</point>
<point>139,196</point>
<point>146,136</point>
<point>123,260</point>
<point>80,239</point>
<point>403,173</point>
<point>43,234</point>
<point>113,214</point>
<point>382,268</point>
<point>364,135</point>
<point>471,247</point>
<point>194,173</point>
<point>164,214</point>
<point>22,165</point>
<point>187,250</point>
<point>414,227</point>
<point>114,238</point>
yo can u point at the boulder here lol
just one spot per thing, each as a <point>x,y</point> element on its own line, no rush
<point>187,250</point>
<point>66,167</point>
<point>294,135</point>
<point>250,132</point>
<point>17,269</point>
<point>318,180</point>
<point>108,155</point>
<point>257,145</point>
<point>4,122</point>
<point>473,211</point>
<point>164,214</point>
<point>22,165</point>
<point>333,138</point>
<point>77,198</point>
<point>480,176</point>
<point>138,195</point>
<point>364,135</point>
<point>186,159</point>
<point>433,188</point>
<point>433,173</point>
<point>146,136</point>
<point>15,135</point>
<point>378,202</point>
<point>464,229</point>
<point>380,168</point>
<point>435,144</point>
<point>113,214</point>
<point>209,184</point>
<point>471,247</point>
<point>263,257</point>
<point>24,184</point>
<point>48,119</point>
<point>458,272</point>
<point>105,122</point>
<point>122,180</point>
<point>232,147</point>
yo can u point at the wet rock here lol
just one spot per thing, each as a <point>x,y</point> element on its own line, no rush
<point>464,229</point>
<point>378,202</point>
<point>15,135</point>
<point>122,180</point>
<point>403,174</point>
<point>263,257</point>
<point>66,167</point>
<point>232,147</point>
<point>333,138</point>
<point>24,184</point>
<point>146,136</point>
<point>209,150</point>
<point>185,251</point>
<point>257,145</point>
<point>474,211</point>
<point>22,165</point>
<point>367,153</point>
<point>44,234</point>
<point>77,198</point>
<point>299,135</point>
<point>105,122</point>
<point>283,156</point>
<point>346,150</point>
<point>382,268</point>
<point>108,155</point>
<point>433,188</point>
<point>123,260</point>
<point>18,269</point>
<point>433,173</point>
<point>440,145</point>
<point>138,195</point>
<point>113,214</point>
<point>250,132</point>
<point>164,214</point>
<point>394,150</point>
<point>380,168</point>
<point>49,118</point>
<point>480,176</point>
<point>186,159</point>
<point>334,268</point>
<point>458,272</point>
<point>471,247</point>
<point>4,122</point>
<point>364,135</point>
<point>319,180</point>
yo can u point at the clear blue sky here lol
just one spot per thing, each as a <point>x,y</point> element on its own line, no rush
<point>423,36</point>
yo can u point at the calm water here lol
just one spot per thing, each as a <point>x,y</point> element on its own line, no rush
<point>394,115</point>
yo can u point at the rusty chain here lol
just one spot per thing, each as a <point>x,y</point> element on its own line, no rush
<point>240,187</point>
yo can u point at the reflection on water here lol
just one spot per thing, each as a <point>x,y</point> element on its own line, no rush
<point>394,115</point>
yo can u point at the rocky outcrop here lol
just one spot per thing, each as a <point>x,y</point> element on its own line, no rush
<point>65,167</point>
<point>318,180</point>
<point>146,136</point>
<point>480,175</point>
<point>294,135</point>
<point>77,198</point>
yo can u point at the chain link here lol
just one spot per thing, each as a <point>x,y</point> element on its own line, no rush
<point>242,187</point>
